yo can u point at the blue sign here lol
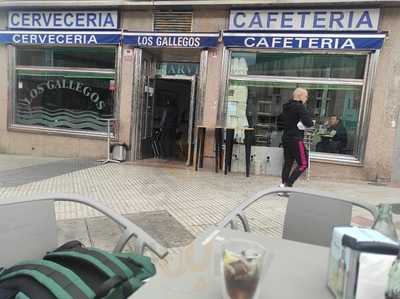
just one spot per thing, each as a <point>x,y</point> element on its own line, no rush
<point>305,41</point>
<point>171,40</point>
<point>88,20</point>
<point>60,37</point>
<point>359,19</point>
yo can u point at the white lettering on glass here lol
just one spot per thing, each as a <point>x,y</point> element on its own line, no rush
<point>76,86</point>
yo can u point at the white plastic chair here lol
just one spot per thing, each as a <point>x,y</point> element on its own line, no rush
<point>310,216</point>
<point>28,228</point>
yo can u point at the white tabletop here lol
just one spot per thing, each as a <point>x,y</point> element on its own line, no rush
<point>297,270</point>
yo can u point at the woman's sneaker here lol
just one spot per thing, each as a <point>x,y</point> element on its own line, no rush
<point>283,194</point>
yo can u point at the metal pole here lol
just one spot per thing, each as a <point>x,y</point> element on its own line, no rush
<point>309,135</point>
<point>309,159</point>
<point>108,160</point>
<point>108,138</point>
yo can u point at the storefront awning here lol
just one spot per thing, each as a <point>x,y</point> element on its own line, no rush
<point>198,40</point>
<point>170,40</point>
<point>303,41</point>
<point>61,37</point>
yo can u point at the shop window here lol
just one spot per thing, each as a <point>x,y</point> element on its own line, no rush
<point>257,102</point>
<point>298,65</point>
<point>103,58</point>
<point>61,89</point>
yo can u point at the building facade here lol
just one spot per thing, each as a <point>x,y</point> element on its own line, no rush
<point>65,72</point>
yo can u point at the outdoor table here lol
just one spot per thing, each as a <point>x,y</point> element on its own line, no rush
<point>297,270</point>
<point>219,139</point>
<point>230,136</point>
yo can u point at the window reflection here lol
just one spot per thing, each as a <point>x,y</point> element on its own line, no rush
<point>298,65</point>
<point>259,86</point>
<point>67,57</point>
<point>258,105</point>
<point>52,101</point>
<point>74,92</point>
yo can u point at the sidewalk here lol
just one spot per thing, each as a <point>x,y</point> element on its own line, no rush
<point>193,200</point>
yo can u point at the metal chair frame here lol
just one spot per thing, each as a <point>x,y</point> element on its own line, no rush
<point>143,240</point>
<point>238,212</point>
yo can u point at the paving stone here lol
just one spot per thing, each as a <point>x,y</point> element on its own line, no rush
<point>163,227</point>
<point>9,162</point>
<point>195,200</point>
<point>73,229</point>
<point>103,232</point>
<point>33,173</point>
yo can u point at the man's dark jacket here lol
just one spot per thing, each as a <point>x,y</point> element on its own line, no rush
<point>340,137</point>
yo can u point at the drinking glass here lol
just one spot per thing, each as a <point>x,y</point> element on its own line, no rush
<point>384,222</point>
<point>242,269</point>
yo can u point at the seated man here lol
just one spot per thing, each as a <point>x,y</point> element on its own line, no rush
<point>335,140</point>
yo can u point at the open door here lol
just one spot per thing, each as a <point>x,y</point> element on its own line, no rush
<point>146,107</point>
<point>147,129</point>
<point>192,122</point>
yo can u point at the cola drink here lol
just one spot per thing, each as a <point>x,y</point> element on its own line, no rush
<point>242,275</point>
<point>241,286</point>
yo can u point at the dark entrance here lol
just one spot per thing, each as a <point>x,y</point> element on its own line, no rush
<point>170,121</point>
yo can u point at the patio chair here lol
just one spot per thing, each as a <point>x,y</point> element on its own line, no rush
<point>310,216</point>
<point>28,228</point>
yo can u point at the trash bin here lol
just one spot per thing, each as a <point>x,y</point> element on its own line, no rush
<point>118,152</point>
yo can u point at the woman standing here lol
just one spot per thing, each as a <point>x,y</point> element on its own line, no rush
<point>296,119</point>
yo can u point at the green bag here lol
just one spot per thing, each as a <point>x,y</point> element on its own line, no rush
<point>75,272</point>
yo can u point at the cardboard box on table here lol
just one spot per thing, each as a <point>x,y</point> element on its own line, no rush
<point>359,269</point>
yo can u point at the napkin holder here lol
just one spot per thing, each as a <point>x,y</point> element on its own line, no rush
<point>359,263</point>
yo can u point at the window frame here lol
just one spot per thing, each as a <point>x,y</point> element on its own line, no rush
<point>12,94</point>
<point>310,52</point>
<point>366,82</point>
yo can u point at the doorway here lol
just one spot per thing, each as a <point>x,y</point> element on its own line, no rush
<point>171,121</point>
<point>162,76</point>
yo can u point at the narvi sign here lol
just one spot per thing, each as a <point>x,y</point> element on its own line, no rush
<point>366,19</point>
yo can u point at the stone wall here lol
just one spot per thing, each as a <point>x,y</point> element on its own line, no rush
<point>15,142</point>
<point>385,102</point>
